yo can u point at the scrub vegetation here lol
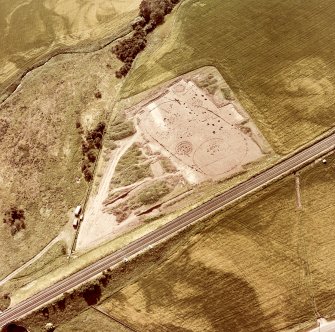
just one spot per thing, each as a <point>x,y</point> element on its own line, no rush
<point>142,201</point>
<point>167,164</point>
<point>153,193</point>
<point>267,263</point>
<point>14,218</point>
<point>152,13</point>
<point>271,54</point>
<point>4,301</point>
<point>131,167</point>
<point>42,127</point>
<point>90,146</point>
<point>120,127</point>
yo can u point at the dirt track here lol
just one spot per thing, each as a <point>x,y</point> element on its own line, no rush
<point>98,224</point>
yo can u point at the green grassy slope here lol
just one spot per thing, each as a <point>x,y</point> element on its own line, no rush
<point>31,31</point>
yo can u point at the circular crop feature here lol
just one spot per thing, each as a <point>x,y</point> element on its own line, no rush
<point>184,148</point>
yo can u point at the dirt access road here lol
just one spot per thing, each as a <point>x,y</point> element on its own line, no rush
<point>97,223</point>
<point>285,167</point>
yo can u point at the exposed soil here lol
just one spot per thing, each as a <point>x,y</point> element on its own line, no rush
<point>97,224</point>
<point>197,130</point>
<point>207,140</point>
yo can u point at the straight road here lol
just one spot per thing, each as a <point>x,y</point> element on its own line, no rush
<point>289,165</point>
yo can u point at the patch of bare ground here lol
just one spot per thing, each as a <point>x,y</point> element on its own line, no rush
<point>97,224</point>
<point>190,132</point>
<point>144,198</point>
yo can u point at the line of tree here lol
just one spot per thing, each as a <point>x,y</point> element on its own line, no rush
<point>90,147</point>
<point>153,11</point>
<point>151,14</point>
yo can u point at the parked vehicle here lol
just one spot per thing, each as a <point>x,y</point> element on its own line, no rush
<point>75,223</point>
<point>77,211</point>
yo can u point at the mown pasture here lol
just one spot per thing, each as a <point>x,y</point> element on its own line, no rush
<point>262,265</point>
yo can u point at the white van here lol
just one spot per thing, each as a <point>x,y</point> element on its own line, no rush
<point>77,211</point>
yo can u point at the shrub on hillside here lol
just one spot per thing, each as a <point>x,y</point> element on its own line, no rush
<point>152,13</point>
<point>90,147</point>
<point>122,130</point>
<point>4,125</point>
<point>92,294</point>
<point>131,167</point>
<point>14,217</point>
<point>153,193</point>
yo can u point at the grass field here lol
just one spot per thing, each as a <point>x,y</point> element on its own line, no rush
<point>52,258</point>
<point>271,54</point>
<point>32,29</point>
<point>56,256</point>
<point>268,266</point>
<point>153,193</point>
<point>40,141</point>
<point>262,265</point>
<point>269,261</point>
<point>41,147</point>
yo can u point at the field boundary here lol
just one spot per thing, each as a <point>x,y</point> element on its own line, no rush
<point>115,319</point>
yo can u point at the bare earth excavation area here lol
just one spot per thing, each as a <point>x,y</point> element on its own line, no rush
<point>194,132</point>
<point>184,136</point>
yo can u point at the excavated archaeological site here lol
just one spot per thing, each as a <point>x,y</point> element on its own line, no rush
<point>188,131</point>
